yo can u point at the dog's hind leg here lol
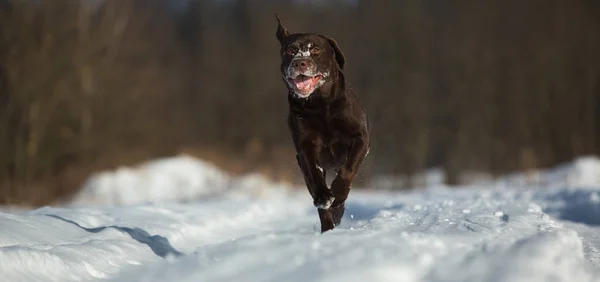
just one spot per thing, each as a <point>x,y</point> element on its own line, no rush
<point>326,217</point>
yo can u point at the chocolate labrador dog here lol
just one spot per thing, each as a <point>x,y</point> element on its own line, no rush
<point>328,125</point>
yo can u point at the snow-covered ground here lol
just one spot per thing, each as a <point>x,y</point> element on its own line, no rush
<point>183,220</point>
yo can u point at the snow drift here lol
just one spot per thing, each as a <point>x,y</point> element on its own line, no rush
<point>582,172</point>
<point>175,179</point>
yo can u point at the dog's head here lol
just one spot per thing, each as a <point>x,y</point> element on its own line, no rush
<point>308,61</point>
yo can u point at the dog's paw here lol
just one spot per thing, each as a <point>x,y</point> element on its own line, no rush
<point>324,201</point>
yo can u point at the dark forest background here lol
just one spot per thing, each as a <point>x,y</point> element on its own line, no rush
<point>495,85</point>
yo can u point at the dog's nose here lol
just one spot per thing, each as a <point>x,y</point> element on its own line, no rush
<point>301,65</point>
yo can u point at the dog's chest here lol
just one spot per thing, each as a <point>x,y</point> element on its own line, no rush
<point>327,125</point>
<point>326,121</point>
<point>335,146</point>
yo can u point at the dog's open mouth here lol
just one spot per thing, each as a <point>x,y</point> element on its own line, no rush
<point>305,84</point>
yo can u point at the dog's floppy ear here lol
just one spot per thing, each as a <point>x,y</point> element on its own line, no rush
<point>282,32</point>
<point>339,56</point>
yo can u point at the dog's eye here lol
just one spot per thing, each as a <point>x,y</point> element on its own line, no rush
<point>290,51</point>
<point>315,50</point>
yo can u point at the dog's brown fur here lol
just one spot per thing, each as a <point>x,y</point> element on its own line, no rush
<point>329,127</point>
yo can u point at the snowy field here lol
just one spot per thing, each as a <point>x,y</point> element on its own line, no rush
<point>181,219</point>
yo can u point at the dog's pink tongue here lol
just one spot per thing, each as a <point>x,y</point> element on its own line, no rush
<point>302,82</point>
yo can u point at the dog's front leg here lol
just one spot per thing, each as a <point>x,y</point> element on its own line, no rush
<point>315,180</point>
<point>346,174</point>
<point>307,158</point>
